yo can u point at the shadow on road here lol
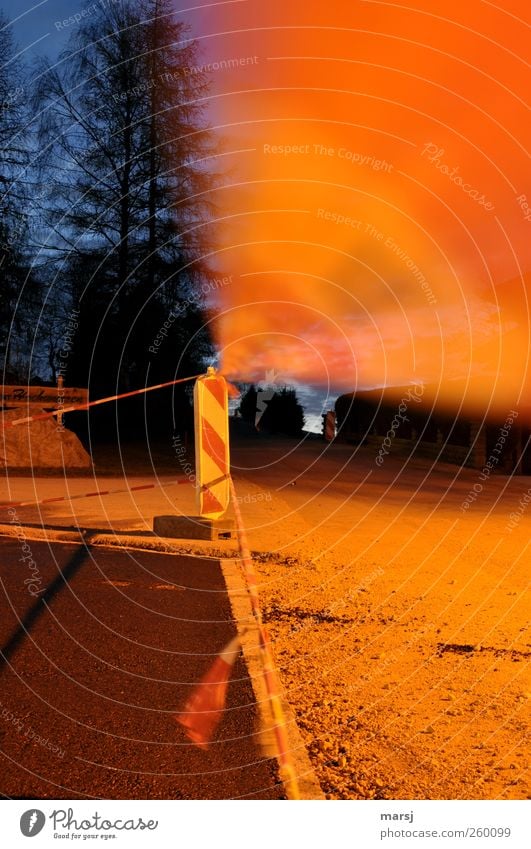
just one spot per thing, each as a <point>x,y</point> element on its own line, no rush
<point>35,612</point>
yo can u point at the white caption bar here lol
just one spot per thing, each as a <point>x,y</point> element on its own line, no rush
<point>255,825</point>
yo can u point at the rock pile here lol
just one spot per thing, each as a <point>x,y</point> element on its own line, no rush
<point>40,445</point>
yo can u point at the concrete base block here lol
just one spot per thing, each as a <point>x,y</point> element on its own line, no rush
<point>193,527</point>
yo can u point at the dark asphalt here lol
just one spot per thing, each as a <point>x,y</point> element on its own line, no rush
<point>93,668</point>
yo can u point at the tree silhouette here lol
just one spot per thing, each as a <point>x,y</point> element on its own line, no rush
<point>18,285</point>
<point>283,414</point>
<point>247,408</point>
<point>123,115</point>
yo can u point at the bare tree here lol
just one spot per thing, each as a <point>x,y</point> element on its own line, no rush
<point>16,282</point>
<point>124,127</point>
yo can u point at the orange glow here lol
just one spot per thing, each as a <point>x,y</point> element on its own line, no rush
<point>374,212</point>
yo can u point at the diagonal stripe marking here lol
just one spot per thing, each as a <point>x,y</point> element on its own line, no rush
<point>211,503</point>
<point>214,446</point>
<point>217,390</point>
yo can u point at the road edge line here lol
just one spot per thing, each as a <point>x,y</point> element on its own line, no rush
<point>242,613</point>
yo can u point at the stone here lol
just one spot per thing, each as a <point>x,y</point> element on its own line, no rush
<point>193,527</point>
<point>40,444</point>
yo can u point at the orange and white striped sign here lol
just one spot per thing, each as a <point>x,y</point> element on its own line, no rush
<point>329,426</point>
<point>212,456</point>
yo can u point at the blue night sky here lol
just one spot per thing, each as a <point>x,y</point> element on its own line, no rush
<point>31,24</point>
<point>38,29</point>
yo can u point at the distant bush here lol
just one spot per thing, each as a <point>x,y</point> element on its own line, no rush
<point>247,408</point>
<point>284,414</point>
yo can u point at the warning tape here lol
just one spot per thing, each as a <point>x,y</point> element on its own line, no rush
<point>176,482</point>
<point>270,676</point>
<point>98,492</point>
<point>63,410</point>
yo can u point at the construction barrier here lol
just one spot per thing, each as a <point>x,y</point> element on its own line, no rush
<point>75,407</point>
<point>212,455</point>
<point>96,493</point>
<point>215,489</point>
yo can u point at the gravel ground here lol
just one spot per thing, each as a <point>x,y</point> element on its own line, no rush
<point>400,625</point>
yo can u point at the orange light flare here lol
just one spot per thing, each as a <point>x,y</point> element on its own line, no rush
<point>374,214</point>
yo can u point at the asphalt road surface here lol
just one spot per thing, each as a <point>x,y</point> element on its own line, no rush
<point>94,664</point>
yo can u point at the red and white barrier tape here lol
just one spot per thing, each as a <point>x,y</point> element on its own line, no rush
<point>89,404</point>
<point>270,676</point>
<point>100,492</point>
